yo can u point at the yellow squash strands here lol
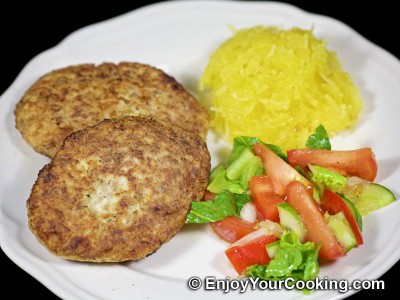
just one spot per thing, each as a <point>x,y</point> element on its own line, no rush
<point>278,85</point>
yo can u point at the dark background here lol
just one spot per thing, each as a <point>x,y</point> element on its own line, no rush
<point>28,29</point>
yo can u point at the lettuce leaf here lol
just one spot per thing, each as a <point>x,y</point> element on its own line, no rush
<point>319,139</point>
<point>242,142</point>
<point>244,167</point>
<point>328,178</point>
<point>242,164</point>
<point>292,259</point>
<point>223,205</point>
<point>235,178</point>
<point>221,183</point>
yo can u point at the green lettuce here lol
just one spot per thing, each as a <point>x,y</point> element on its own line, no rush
<point>292,259</point>
<point>235,177</point>
<point>223,205</point>
<point>221,182</point>
<point>319,139</point>
<point>328,178</point>
<point>242,164</point>
<point>247,142</point>
<point>244,167</point>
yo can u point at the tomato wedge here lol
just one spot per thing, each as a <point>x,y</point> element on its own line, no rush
<point>333,204</point>
<point>360,162</point>
<point>281,173</point>
<point>250,253</point>
<point>209,195</point>
<point>264,197</point>
<point>232,228</point>
<point>318,231</point>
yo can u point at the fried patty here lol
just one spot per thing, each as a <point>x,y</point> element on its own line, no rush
<point>118,190</point>
<point>72,98</point>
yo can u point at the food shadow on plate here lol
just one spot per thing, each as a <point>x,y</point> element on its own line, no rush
<point>36,251</point>
<point>354,61</point>
<point>385,220</point>
<point>174,260</point>
<point>16,191</point>
<point>387,167</point>
<point>18,144</point>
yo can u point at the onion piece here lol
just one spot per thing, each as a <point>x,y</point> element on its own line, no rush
<point>272,228</point>
<point>249,213</point>
<point>355,185</point>
<point>260,232</point>
<point>354,180</point>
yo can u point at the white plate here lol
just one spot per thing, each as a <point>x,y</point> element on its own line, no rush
<point>178,37</point>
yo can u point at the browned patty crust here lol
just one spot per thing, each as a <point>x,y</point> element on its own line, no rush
<point>72,98</point>
<point>118,190</point>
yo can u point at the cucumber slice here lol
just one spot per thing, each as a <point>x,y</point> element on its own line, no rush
<point>374,196</point>
<point>354,211</point>
<point>291,220</point>
<point>342,231</point>
<point>271,249</point>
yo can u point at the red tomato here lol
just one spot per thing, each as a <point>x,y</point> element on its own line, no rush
<point>264,197</point>
<point>232,228</point>
<point>250,253</point>
<point>263,183</point>
<point>209,195</point>
<point>318,231</point>
<point>281,173</point>
<point>360,162</point>
<point>333,204</point>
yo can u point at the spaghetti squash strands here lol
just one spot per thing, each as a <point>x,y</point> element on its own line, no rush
<point>278,85</point>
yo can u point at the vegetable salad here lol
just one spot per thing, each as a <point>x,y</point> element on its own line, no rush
<point>282,213</point>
